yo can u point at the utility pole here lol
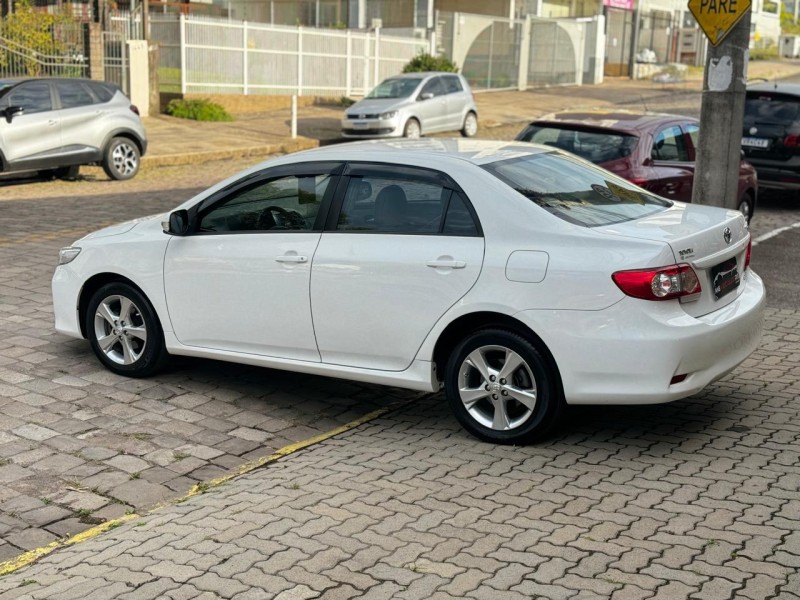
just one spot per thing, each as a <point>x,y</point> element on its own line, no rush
<point>722,114</point>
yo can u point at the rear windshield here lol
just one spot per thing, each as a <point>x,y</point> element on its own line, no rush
<point>594,146</point>
<point>576,191</point>
<point>771,107</point>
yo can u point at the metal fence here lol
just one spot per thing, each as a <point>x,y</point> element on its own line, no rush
<point>65,55</point>
<point>216,56</point>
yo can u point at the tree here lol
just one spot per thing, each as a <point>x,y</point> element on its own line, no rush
<point>425,62</point>
<point>31,33</point>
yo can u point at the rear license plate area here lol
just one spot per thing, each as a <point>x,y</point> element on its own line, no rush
<point>750,142</point>
<point>725,277</point>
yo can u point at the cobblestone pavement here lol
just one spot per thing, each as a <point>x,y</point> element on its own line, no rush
<point>694,499</point>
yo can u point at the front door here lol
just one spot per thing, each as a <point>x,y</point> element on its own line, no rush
<point>240,281</point>
<point>33,137</point>
<point>405,247</point>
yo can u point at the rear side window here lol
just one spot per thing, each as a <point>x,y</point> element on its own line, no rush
<point>452,84</point>
<point>594,146</point>
<point>103,91</point>
<point>574,190</point>
<point>670,145</point>
<point>770,107</point>
<point>74,94</point>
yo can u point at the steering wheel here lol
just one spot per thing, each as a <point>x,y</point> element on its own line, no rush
<point>286,219</point>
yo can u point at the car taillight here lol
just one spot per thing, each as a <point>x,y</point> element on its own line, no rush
<point>791,141</point>
<point>747,254</point>
<point>640,181</point>
<point>665,283</point>
<point>134,108</point>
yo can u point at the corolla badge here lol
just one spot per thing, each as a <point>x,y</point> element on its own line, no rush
<point>726,235</point>
<point>753,130</point>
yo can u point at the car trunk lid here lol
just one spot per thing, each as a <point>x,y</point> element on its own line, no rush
<point>713,242</point>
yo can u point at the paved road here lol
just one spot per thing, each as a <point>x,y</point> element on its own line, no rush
<point>698,498</point>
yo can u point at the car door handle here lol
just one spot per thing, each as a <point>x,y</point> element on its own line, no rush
<point>448,264</point>
<point>52,122</point>
<point>292,258</point>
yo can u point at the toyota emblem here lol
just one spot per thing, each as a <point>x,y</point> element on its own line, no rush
<point>726,235</point>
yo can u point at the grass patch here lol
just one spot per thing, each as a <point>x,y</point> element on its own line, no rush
<point>198,110</point>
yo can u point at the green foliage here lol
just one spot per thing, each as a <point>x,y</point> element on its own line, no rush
<point>33,30</point>
<point>426,62</point>
<point>767,53</point>
<point>788,26</point>
<point>197,110</point>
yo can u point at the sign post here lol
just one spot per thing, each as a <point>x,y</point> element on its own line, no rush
<point>726,23</point>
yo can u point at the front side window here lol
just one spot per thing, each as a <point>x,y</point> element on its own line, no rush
<point>576,191</point>
<point>33,97</point>
<point>73,94</point>
<point>388,203</point>
<point>670,145</point>
<point>288,203</point>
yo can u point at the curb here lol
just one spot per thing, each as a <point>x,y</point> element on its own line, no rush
<point>189,158</point>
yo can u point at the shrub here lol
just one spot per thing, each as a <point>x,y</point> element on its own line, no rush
<point>426,62</point>
<point>197,110</point>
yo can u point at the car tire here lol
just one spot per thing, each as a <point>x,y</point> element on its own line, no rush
<point>470,127</point>
<point>746,206</point>
<point>121,159</point>
<point>124,331</point>
<point>502,389</point>
<point>412,130</point>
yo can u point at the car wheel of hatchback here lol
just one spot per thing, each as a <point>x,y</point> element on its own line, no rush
<point>746,207</point>
<point>124,331</point>
<point>412,129</point>
<point>470,127</point>
<point>501,388</point>
<point>121,160</point>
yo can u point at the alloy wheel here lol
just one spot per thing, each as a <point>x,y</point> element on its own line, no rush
<point>125,159</point>
<point>120,330</point>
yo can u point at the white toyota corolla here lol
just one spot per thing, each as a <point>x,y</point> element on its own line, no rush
<point>518,277</point>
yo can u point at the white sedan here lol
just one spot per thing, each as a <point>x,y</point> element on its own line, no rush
<point>518,277</point>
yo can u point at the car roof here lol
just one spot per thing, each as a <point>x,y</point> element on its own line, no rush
<point>775,86</point>
<point>626,121</point>
<point>418,74</point>
<point>478,152</point>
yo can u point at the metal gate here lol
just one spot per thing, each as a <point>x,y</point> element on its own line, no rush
<point>618,42</point>
<point>555,58</point>
<point>115,58</point>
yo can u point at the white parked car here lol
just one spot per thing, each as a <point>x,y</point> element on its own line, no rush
<point>518,277</point>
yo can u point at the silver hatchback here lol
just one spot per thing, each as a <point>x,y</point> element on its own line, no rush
<point>56,125</point>
<point>411,105</point>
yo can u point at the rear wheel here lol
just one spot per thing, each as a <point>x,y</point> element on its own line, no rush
<point>124,331</point>
<point>501,388</point>
<point>121,160</point>
<point>746,206</point>
<point>470,127</point>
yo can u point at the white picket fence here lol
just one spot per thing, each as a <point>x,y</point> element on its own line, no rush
<point>219,56</point>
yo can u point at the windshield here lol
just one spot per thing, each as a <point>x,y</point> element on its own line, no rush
<point>769,107</point>
<point>395,88</point>
<point>576,191</point>
<point>594,146</point>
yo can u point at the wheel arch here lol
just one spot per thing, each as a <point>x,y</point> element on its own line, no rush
<point>467,324</point>
<point>124,133</point>
<point>94,283</point>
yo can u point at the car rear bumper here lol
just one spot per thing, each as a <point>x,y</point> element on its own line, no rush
<point>629,352</point>
<point>777,176</point>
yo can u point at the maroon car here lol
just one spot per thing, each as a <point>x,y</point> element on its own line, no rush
<point>654,151</point>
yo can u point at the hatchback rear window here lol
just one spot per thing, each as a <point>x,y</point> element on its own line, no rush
<point>771,107</point>
<point>594,146</point>
<point>576,191</point>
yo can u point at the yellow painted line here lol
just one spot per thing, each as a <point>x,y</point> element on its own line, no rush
<point>23,560</point>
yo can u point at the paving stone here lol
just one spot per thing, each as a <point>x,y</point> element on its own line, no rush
<point>141,494</point>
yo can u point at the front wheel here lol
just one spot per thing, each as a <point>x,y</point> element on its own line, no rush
<point>501,388</point>
<point>124,331</point>
<point>412,129</point>
<point>121,160</point>
<point>470,127</point>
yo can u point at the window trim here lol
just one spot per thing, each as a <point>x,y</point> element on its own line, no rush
<point>429,175</point>
<point>332,168</point>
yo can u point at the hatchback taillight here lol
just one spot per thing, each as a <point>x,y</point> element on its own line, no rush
<point>664,283</point>
<point>791,141</point>
<point>135,109</point>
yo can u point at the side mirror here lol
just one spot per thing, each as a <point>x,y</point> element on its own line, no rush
<point>425,96</point>
<point>178,223</point>
<point>13,111</point>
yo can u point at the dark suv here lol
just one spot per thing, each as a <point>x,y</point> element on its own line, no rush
<point>56,125</point>
<point>771,136</point>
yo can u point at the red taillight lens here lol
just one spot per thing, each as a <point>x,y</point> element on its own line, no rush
<point>747,254</point>
<point>640,181</point>
<point>135,108</point>
<point>666,283</point>
<point>791,141</point>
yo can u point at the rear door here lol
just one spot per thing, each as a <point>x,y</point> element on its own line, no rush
<point>82,116</point>
<point>402,248</point>
<point>457,100</point>
<point>32,140</point>
<point>672,171</point>
<point>432,111</point>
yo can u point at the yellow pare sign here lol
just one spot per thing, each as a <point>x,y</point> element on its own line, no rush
<point>717,17</point>
<point>625,194</point>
